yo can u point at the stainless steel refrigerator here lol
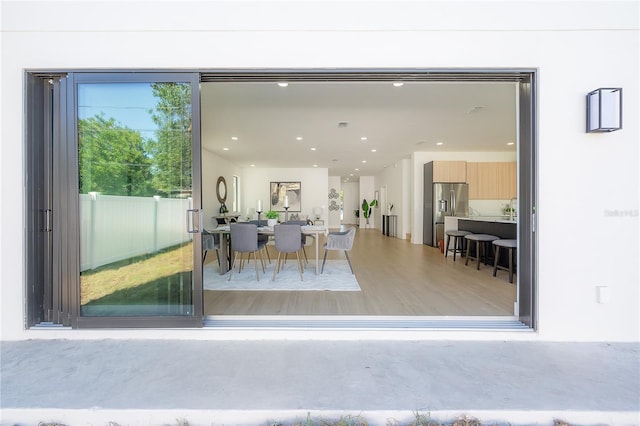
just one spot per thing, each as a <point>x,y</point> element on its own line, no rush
<point>441,200</point>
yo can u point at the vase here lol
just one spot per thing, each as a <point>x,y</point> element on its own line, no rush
<point>272,222</point>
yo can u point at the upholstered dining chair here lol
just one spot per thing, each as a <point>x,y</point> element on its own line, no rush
<point>210,242</point>
<point>244,239</point>
<point>261,237</point>
<point>342,240</point>
<point>287,240</point>
<point>303,239</point>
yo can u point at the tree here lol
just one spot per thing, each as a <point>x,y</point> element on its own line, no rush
<point>171,152</point>
<point>112,159</point>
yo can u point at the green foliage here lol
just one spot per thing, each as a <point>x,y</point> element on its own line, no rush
<point>116,160</point>
<point>172,150</point>
<point>112,159</point>
<point>272,214</point>
<point>366,210</point>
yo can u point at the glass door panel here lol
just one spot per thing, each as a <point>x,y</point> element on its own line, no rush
<point>136,204</point>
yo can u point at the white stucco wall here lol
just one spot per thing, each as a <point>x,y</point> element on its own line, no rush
<point>588,184</point>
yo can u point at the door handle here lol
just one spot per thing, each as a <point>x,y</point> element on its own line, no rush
<point>46,227</point>
<point>193,221</point>
<point>453,203</point>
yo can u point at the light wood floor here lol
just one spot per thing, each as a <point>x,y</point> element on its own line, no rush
<point>396,278</point>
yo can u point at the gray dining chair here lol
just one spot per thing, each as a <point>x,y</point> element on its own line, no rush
<point>342,240</point>
<point>244,239</point>
<point>210,241</point>
<point>303,238</point>
<point>287,240</point>
<point>262,238</point>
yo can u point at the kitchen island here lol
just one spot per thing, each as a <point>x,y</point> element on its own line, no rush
<point>493,225</point>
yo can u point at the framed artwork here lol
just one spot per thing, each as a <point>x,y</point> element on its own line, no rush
<point>285,192</point>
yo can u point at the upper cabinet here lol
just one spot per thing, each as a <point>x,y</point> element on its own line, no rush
<point>450,171</point>
<point>492,181</point>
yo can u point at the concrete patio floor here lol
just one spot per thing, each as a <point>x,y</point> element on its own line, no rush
<point>156,382</point>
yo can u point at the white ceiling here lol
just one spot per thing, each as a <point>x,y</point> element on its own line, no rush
<point>267,119</point>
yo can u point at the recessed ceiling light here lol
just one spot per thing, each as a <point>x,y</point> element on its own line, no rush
<point>364,138</point>
<point>356,169</point>
<point>283,84</point>
<point>350,174</point>
<point>364,161</point>
<point>299,138</point>
<point>313,149</point>
<point>253,165</point>
<point>225,149</point>
<point>315,165</point>
<point>439,143</point>
<point>510,143</point>
<point>398,84</point>
<point>234,138</point>
<point>374,150</point>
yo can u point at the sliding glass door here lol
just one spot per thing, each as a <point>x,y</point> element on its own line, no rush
<point>138,198</point>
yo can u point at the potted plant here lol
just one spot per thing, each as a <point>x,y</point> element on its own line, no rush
<point>366,208</point>
<point>272,217</point>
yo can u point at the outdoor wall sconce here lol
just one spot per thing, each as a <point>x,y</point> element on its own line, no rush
<point>604,110</point>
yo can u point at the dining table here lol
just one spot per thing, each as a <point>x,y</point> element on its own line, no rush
<point>226,250</point>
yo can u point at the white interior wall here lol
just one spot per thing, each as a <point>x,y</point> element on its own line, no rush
<point>351,192</point>
<point>391,178</point>
<point>214,166</point>
<point>313,185</point>
<point>367,192</point>
<point>586,182</point>
<point>334,216</point>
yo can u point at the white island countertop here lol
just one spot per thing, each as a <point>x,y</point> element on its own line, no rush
<point>499,219</point>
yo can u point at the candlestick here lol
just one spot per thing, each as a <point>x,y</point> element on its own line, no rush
<point>259,210</point>
<point>286,213</point>
<point>286,201</point>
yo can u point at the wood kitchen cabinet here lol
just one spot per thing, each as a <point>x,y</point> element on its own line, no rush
<point>450,171</point>
<point>492,181</point>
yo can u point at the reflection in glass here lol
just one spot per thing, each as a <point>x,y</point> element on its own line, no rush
<point>134,157</point>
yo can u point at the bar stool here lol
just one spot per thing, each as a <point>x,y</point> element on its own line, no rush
<point>458,242</point>
<point>511,245</point>
<point>481,244</point>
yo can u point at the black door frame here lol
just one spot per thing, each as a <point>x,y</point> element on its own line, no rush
<point>63,265</point>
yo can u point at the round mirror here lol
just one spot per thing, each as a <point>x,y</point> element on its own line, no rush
<point>221,190</point>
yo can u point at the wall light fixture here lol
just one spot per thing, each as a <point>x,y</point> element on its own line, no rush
<point>604,110</point>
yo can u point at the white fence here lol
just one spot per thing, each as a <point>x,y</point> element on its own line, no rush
<point>114,228</point>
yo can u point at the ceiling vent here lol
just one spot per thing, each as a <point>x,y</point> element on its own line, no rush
<point>343,124</point>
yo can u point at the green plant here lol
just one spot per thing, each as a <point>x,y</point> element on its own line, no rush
<point>272,214</point>
<point>366,208</point>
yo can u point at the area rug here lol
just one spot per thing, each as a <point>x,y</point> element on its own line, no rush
<point>336,277</point>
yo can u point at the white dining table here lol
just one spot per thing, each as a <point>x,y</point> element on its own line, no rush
<point>225,231</point>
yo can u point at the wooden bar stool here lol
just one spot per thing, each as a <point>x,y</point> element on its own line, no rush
<point>458,242</point>
<point>511,245</point>
<point>481,242</point>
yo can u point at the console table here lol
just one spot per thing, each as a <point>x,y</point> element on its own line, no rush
<point>389,225</point>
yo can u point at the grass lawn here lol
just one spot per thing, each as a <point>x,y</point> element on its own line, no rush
<point>136,281</point>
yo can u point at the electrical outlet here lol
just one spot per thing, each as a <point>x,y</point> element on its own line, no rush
<point>603,294</point>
